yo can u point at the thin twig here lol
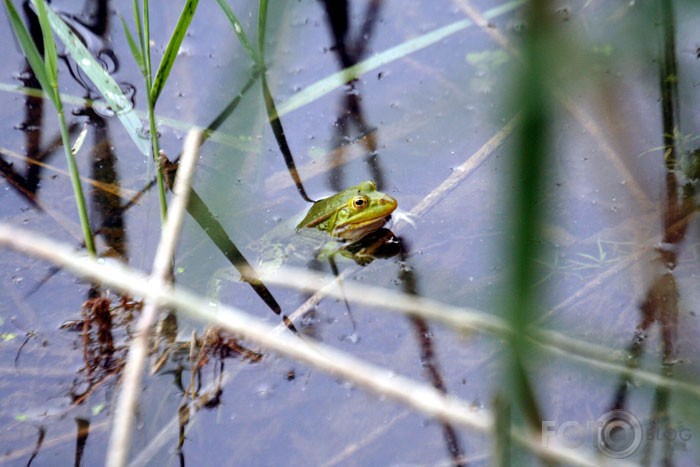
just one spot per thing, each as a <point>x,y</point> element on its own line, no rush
<point>468,167</point>
<point>119,442</point>
<point>458,318</point>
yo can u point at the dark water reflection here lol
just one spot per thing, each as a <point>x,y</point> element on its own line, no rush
<point>608,276</point>
<point>350,48</point>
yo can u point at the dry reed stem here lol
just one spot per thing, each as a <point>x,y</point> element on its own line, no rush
<point>118,450</point>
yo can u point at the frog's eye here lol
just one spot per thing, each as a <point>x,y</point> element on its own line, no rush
<point>359,203</point>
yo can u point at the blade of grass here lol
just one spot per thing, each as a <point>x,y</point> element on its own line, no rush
<point>139,28</point>
<point>242,37</point>
<point>135,50</point>
<point>50,55</point>
<point>166,64</point>
<point>278,131</point>
<point>272,115</point>
<point>262,25</point>
<point>31,53</point>
<point>51,59</point>
<point>109,88</point>
<point>228,110</point>
<point>531,152</point>
<point>145,38</point>
<point>199,211</point>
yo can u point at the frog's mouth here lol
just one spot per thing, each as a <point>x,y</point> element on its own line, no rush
<point>355,231</point>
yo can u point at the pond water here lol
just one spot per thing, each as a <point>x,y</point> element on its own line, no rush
<point>430,119</point>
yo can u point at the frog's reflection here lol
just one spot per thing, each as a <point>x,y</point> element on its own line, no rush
<point>380,244</point>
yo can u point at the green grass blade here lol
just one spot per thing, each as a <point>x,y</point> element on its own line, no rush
<point>262,26</point>
<point>75,182</point>
<point>532,164</point>
<point>109,89</point>
<point>50,55</point>
<point>200,212</point>
<point>173,47</point>
<point>278,132</point>
<point>238,29</point>
<point>145,36</point>
<point>36,62</point>
<point>135,49</point>
<point>139,27</point>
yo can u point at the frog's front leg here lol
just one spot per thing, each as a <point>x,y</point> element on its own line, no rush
<point>220,279</point>
<point>329,250</point>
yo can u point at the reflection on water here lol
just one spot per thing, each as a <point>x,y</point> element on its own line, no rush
<point>350,49</point>
<point>428,359</point>
<point>426,127</point>
<point>28,184</point>
<point>661,303</point>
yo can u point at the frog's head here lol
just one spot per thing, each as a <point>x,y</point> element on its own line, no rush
<point>365,211</point>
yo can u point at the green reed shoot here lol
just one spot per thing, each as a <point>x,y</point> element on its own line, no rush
<point>532,97</point>
<point>154,84</point>
<point>262,26</point>
<point>46,71</point>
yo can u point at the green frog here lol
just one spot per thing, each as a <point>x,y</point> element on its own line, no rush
<point>347,217</point>
<point>352,218</point>
<point>351,214</point>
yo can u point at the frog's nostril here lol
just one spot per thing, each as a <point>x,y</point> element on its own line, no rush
<point>388,201</point>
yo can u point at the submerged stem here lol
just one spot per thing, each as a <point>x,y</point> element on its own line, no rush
<point>75,180</point>
<point>145,38</point>
<point>155,149</point>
